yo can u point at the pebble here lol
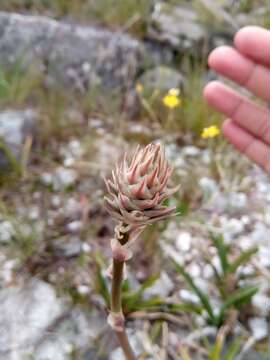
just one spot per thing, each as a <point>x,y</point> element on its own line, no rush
<point>7,231</point>
<point>75,226</point>
<point>190,150</point>
<point>262,302</point>
<point>264,256</point>
<point>46,178</point>
<point>83,289</point>
<point>64,178</point>
<point>258,327</point>
<point>183,241</point>
<point>86,248</point>
<point>208,185</point>
<point>194,270</point>
<point>162,287</point>
<point>189,296</point>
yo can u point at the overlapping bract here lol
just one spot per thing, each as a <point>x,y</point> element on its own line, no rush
<point>139,187</point>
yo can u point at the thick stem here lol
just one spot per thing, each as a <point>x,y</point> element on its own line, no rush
<point>125,345</point>
<point>116,307</point>
<point>117,277</point>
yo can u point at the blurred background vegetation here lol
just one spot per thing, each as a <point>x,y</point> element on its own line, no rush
<point>80,83</point>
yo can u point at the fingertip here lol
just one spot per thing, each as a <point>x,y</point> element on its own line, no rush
<point>254,42</point>
<point>243,36</point>
<point>226,125</point>
<point>210,91</point>
<point>218,55</point>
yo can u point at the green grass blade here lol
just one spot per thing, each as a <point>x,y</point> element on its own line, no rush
<point>233,350</point>
<point>222,249</point>
<point>217,349</point>
<point>201,295</point>
<point>101,284</point>
<point>14,163</point>
<point>242,259</point>
<point>184,353</point>
<point>187,308</point>
<point>238,298</point>
<point>130,299</point>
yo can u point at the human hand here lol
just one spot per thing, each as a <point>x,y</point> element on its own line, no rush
<point>248,64</point>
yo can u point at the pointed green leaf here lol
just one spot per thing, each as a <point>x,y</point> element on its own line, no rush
<point>238,298</point>
<point>242,259</point>
<point>222,251</point>
<point>233,350</point>
<point>217,349</point>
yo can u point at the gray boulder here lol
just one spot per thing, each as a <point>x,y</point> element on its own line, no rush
<point>188,28</point>
<point>72,55</point>
<point>26,313</point>
<point>178,26</point>
<point>36,324</point>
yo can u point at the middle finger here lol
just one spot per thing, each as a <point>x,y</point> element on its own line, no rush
<point>250,116</point>
<point>230,63</point>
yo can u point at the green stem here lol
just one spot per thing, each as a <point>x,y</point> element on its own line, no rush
<point>116,307</point>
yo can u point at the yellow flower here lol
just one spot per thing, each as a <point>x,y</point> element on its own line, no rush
<point>210,132</point>
<point>172,99</point>
<point>139,88</point>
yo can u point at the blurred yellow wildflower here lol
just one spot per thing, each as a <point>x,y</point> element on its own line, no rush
<point>210,132</point>
<point>139,88</point>
<point>172,99</point>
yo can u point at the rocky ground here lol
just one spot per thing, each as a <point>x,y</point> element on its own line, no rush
<point>70,107</point>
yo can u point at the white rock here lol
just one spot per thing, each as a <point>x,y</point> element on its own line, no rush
<point>56,201</point>
<point>189,296</point>
<point>83,289</point>
<point>208,271</point>
<point>262,303</point>
<point>6,231</point>
<point>245,219</point>
<point>216,263</point>
<point>238,200</point>
<point>75,148</point>
<point>170,252</point>
<point>194,270</point>
<point>46,178</point>
<point>7,270</point>
<point>25,315</point>
<point>75,226</point>
<point>208,185</point>
<point>246,270</point>
<point>33,213</point>
<point>86,248</point>
<point>264,256</point>
<point>258,327</point>
<point>183,241</point>
<point>63,178</point>
<point>260,234</point>
<point>206,157</point>
<point>191,151</point>
<point>231,228</point>
<point>69,161</point>
<point>162,287</point>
